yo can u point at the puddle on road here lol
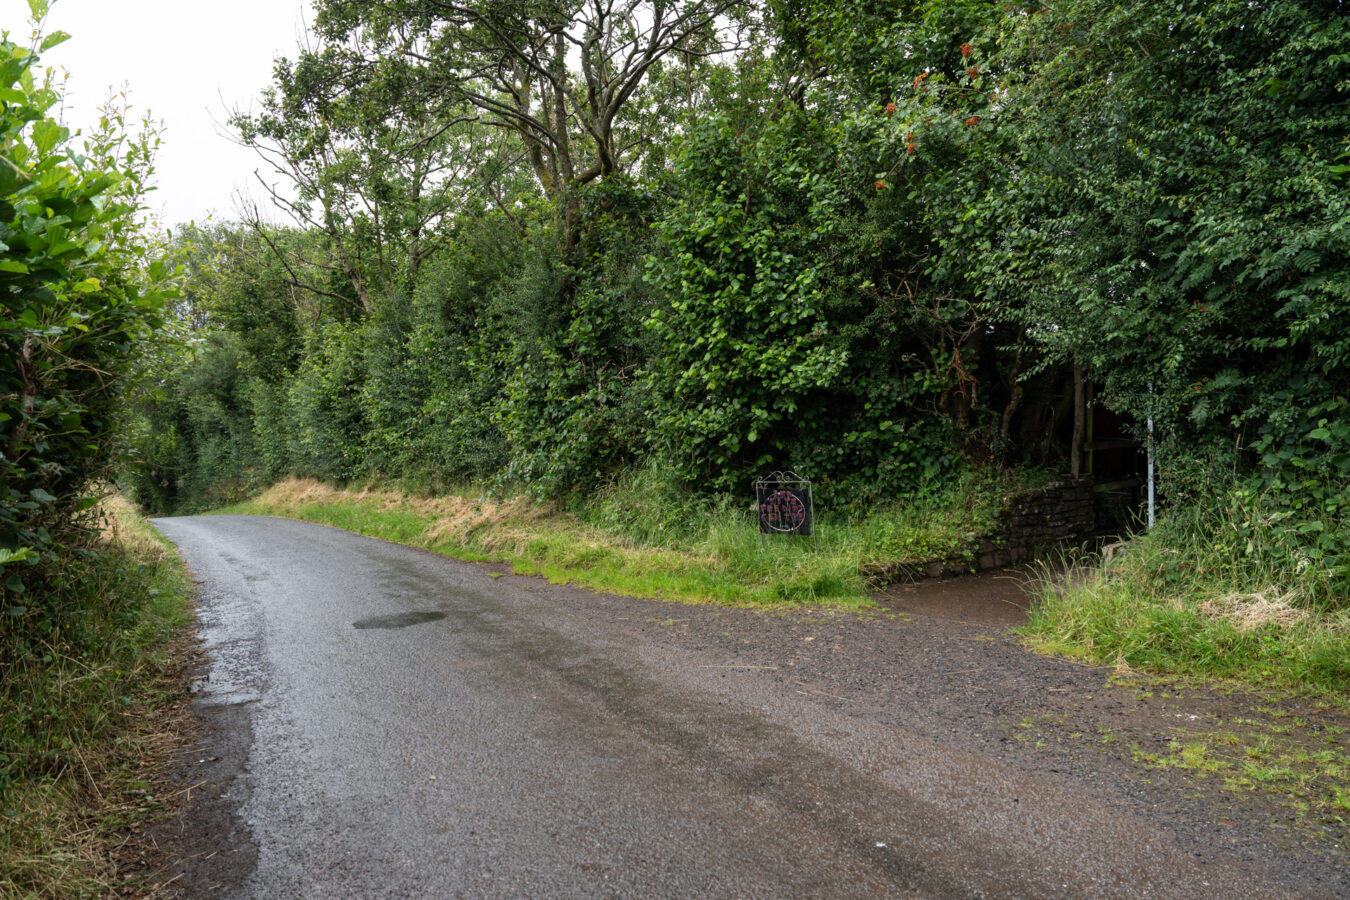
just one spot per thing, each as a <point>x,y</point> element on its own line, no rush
<point>1000,598</point>
<point>399,620</point>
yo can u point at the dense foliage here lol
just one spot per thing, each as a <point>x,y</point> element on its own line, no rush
<point>876,243</point>
<point>84,293</point>
<point>81,294</point>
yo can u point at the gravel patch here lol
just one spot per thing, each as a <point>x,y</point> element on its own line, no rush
<point>940,659</point>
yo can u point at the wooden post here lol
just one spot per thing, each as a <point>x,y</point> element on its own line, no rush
<point>1089,440</point>
<point>1076,455</point>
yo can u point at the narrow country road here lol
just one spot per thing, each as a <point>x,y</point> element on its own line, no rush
<point>403,725</point>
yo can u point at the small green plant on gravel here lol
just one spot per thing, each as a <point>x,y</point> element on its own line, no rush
<point>1294,766</point>
<point>1196,756</point>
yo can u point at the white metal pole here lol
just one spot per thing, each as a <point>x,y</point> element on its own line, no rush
<point>1150,456</point>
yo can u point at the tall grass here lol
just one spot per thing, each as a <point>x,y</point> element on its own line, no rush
<point>75,698</point>
<point>647,508</point>
<point>1189,599</point>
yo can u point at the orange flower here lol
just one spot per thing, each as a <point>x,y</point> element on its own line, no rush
<point>919,79</point>
<point>973,120</point>
<point>881,185</point>
<point>973,71</point>
<point>909,138</point>
<point>966,49</point>
<point>909,148</point>
<point>890,109</point>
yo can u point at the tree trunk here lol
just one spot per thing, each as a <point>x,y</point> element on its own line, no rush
<point>1015,386</point>
<point>1079,415</point>
<point>28,374</point>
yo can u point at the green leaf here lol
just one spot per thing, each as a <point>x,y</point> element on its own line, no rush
<point>9,556</point>
<point>53,39</point>
<point>47,135</point>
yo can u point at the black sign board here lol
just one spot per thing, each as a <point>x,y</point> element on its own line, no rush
<point>784,500</point>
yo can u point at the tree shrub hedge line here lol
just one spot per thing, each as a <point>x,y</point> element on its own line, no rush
<point>874,247</point>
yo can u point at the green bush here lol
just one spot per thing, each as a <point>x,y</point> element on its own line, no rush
<point>328,437</point>
<point>83,291</point>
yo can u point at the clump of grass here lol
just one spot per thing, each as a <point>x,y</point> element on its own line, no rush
<point>1177,600</point>
<point>937,524</point>
<point>75,697</point>
<point>648,507</point>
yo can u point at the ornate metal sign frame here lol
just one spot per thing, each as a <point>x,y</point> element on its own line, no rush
<point>785,505</point>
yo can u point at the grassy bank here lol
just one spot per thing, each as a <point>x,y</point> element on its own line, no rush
<point>1183,600</point>
<point>640,539</point>
<point>728,565</point>
<point>84,715</point>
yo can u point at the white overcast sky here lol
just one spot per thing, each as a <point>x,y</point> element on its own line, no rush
<point>186,61</point>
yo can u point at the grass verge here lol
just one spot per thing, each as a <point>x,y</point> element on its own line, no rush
<point>728,564</point>
<point>639,537</point>
<point>1178,601</point>
<point>85,708</point>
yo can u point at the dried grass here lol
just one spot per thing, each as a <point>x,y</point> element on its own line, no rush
<point>121,523</point>
<point>1249,612</point>
<point>455,518</point>
<point>450,518</point>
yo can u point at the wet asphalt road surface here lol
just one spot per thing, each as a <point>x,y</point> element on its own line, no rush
<point>404,725</point>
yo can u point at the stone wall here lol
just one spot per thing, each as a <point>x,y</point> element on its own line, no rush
<point>1038,520</point>
<point>1028,524</point>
